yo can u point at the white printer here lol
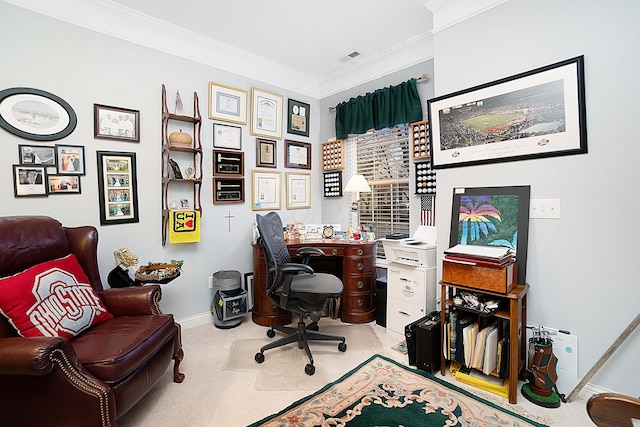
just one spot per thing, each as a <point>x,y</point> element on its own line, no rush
<point>411,278</point>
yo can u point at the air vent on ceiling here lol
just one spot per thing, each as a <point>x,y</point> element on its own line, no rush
<point>350,56</point>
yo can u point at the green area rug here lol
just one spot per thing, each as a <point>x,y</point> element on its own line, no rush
<point>382,392</point>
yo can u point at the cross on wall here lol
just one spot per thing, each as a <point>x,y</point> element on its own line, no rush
<point>229,216</point>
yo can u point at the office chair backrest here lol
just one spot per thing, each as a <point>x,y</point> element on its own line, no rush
<point>275,248</point>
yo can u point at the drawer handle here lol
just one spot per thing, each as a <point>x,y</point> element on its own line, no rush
<point>334,251</point>
<point>404,313</point>
<point>359,302</point>
<point>360,266</point>
<point>360,285</point>
<point>359,251</point>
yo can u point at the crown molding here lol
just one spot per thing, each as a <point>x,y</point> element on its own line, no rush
<point>450,12</point>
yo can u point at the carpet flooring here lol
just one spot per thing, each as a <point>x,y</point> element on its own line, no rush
<point>212,396</point>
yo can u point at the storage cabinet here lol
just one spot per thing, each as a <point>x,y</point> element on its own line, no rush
<point>410,294</point>
<point>512,308</point>
<point>189,156</point>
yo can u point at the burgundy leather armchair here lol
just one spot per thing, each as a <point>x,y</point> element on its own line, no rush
<point>95,377</point>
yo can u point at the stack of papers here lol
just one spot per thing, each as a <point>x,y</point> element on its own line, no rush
<point>494,256</point>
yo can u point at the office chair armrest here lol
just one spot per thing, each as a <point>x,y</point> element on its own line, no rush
<point>308,250</point>
<point>295,268</point>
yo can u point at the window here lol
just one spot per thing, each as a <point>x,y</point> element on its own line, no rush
<point>382,156</point>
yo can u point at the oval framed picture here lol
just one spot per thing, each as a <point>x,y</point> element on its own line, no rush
<point>36,114</point>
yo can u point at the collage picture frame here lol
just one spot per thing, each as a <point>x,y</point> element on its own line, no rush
<point>117,187</point>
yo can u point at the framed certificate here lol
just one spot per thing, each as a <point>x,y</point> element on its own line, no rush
<point>297,155</point>
<point>298,190</point>
<point>266,114</point>
<point>227,136</point>
<point>266,190</point>
<point>227,103</point>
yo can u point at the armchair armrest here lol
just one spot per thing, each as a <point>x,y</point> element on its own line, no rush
<point>28,356</point>
<point>132,301</point>
<point>41,376</point>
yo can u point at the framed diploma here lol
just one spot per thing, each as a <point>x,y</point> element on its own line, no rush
<point>266,190</point>
<point>227,104</point>
<point>297,154</point>
<point>298,117</point>
<point>227,136</point>
<point>298,190</point>
<point>266,114</point>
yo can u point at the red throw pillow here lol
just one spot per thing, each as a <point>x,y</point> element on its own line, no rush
<point>52,299</point>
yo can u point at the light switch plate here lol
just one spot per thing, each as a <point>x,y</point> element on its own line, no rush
<point>544,208</point>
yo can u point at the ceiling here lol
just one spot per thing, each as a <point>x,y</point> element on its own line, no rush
<point>311,37</point>
<point>298,44</point>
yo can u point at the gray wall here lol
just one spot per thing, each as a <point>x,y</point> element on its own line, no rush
<point>84,67</point>
<point>581,268</point>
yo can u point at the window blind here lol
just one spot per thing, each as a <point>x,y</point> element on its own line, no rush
<point>382,156</point>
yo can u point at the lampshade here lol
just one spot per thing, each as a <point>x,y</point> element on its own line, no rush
<point>357,184</point>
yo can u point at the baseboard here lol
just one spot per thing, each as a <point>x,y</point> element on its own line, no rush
<point>196,320</point>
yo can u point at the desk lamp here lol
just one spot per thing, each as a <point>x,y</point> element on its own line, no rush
<point>357,184</point>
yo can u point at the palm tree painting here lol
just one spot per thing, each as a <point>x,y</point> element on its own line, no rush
<point>492,216</point>
<point>488,220</point>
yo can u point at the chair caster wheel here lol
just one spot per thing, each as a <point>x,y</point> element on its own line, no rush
<point>259,357</point>
<point>310,369</point>
<point>342,347</point>
<point>271,333</point>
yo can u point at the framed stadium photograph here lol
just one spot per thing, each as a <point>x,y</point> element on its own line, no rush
<point>539,113</point>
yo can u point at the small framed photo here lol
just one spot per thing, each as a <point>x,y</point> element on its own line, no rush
<point>227,136</point>
<point>227,104</point>
<point>265,153</point>
<point>117,187</point>
<point>63,184</point>
<point>116,123</point>
<point>29,181</point>
<point>37,155</point>
<point>298,190</point>
<point>70,159</point>
<point>298,117</point>
<point>297,155</point>
<point>266,114</point>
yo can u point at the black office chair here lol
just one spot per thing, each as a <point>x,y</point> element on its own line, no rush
<point>296,288</point>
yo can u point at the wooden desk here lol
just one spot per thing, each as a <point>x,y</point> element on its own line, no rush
<point>352,261</point>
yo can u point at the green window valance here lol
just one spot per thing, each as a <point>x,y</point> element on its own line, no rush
<point>378,110</point>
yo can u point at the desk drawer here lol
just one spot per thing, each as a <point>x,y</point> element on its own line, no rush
<point>357,265</point>
<point>359,283</point>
